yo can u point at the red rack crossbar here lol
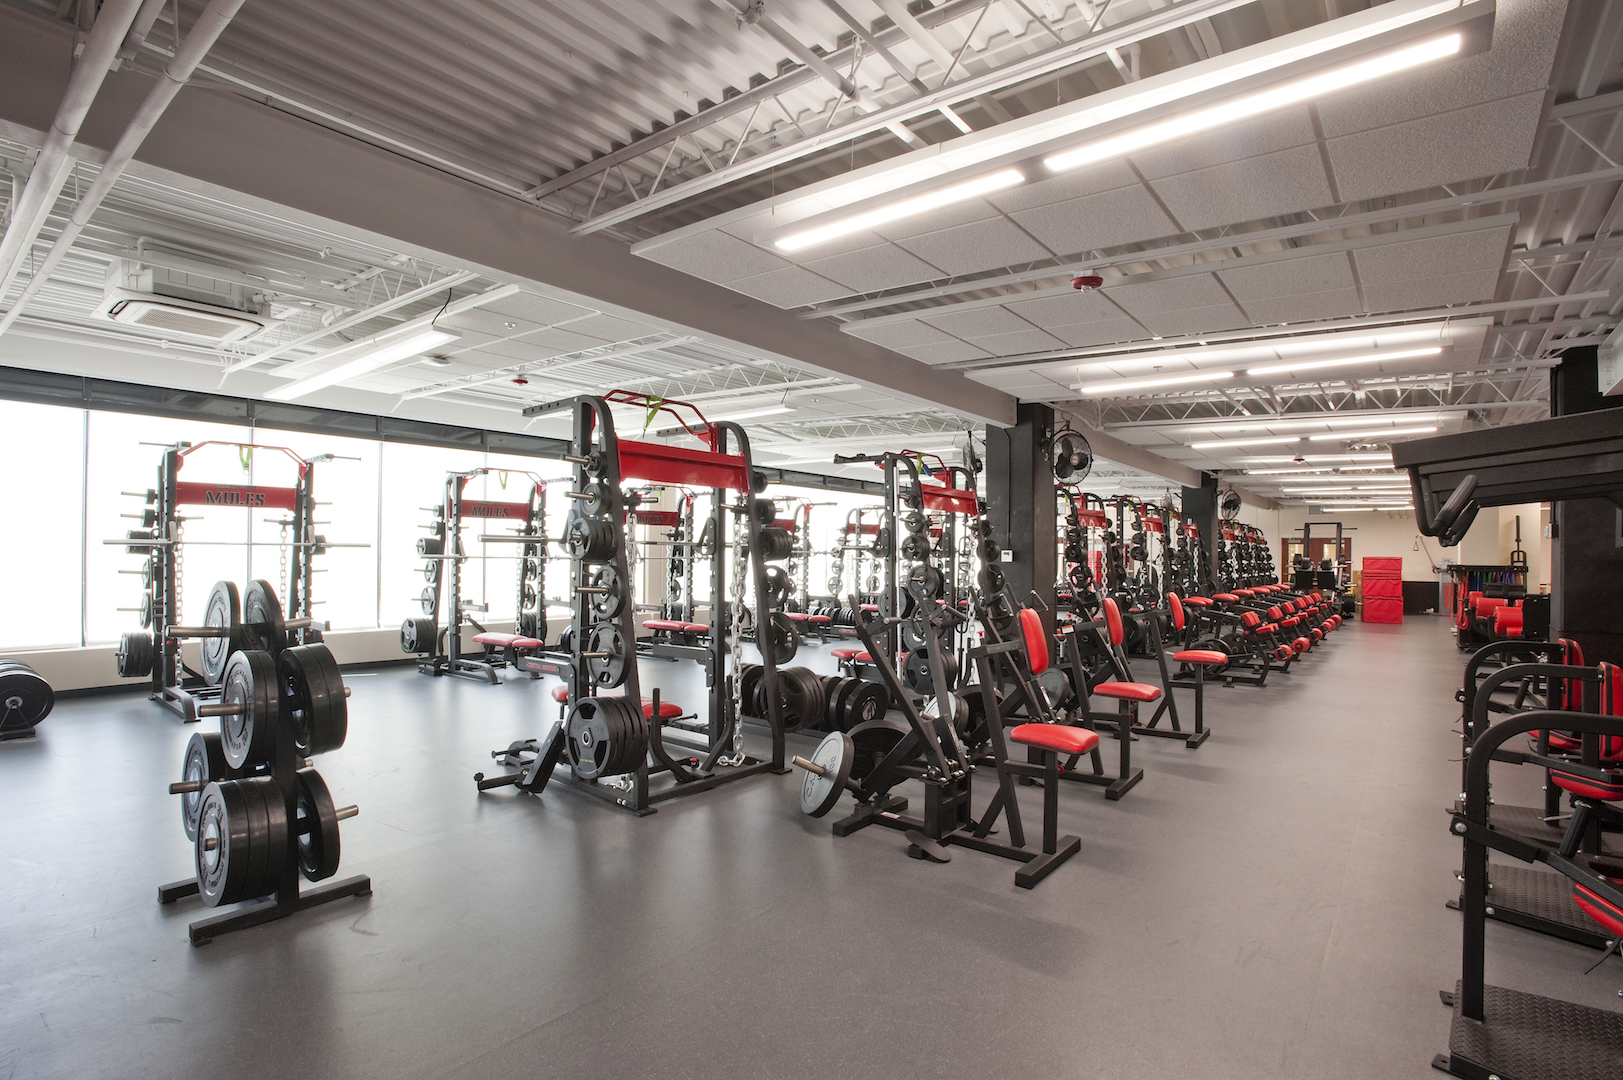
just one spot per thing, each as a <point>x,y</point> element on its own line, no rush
<point>479,508</point>
<point>1094,519</point>
<point>952,500</point>
<point>667,519</point>
<point>678,465</point>
<point>244,495</point>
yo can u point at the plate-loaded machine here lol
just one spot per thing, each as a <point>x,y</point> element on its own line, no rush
<point>155,652</point>
<point>939,745</point>
<point>444,558</point>
<point>614,746</point>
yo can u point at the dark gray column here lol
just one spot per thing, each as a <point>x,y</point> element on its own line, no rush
<point>1200,507</point>
<point>1586,571</point>
<point>1020,500</point>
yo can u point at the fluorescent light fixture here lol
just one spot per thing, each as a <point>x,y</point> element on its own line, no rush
<point>918,204</point>
<point>1142,384</point>
<point>1249,105</point>
<point>1368,358</point>
<point>1343,436</point>
<point>1289,472</point>
<point>368,357</point>
<point>1344,509</point>
<point>1382,455</point>
<point>1324,421</point>
<point>1244,442</point>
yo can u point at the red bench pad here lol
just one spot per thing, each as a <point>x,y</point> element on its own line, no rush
<point>560,693</point>
<point>1058,737</point>
<point>1133,691</point>
<point>675,625</point>
<point>1608,791</point>
<point>1201,656</point>
<point>517,641</point>
<point>1198,601</point>
<point>844,653</point>
<point>667,709</point>
<point>1599,908</point>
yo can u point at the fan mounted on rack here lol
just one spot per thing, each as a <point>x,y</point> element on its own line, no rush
<point>1070,455</point>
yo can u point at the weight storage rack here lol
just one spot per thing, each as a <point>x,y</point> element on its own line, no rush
<point>156,654</point>
<point>615,747</point>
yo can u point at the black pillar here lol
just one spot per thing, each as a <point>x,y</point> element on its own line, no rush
<point>1586,564</point>
<point>1020,498</point>
<point>1200,507</point>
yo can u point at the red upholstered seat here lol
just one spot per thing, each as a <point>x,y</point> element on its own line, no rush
<point>1201,656</point>
<point>1036,640</point>
<point>863,657</point>
<point>869,607</point>
<point>1268,628</point>
<point>495,639</point>
<point>1245,592</point>
<point>819,619</point>
<point>1132,691</point>
<point>664,624</point>
<point>1250,619</point>
<point>1226,597</point>
<point>797,616</point>
<point>1058,737</point>
<point>1198,601</point>
<point>695,628</point>
<point>667,709</point>
<point>1596,906</point>
<point>560,693</point>
<point>1606,791</point>
<point>844,652</point>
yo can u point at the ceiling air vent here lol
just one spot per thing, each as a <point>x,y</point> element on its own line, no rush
<point>170,303</point>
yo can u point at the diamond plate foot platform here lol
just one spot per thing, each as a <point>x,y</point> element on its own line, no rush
<point>1527,1037</point>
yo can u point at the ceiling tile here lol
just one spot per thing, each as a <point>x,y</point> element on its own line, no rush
<point>1195,320</point>
<point>1261,187</point>
<point>536,309</point>
<point>1153,297</point>
<point>714,256</point>
<point>1075,184</point>
<point>980,245</point>
<point>486,321</point>
<point>1438,256</point>
<point>1525,35</point>
<point>1303,307</point>
<point>1122,216</point>
<point>973,322</point>
<point>870,269</point>
<point>793,286</point>
<point>1233,142</point>
<point>1080,318</point>
<point>543,344</point>
<point>1103,332</point>
<point>1019,342</point>
<point>1456,288</point>
<point>946,352</point>
<point>1289,277</point>
<point>935,220</point>
<point>898,334</point>
<point>612,328</point>
<point>1460,145</point>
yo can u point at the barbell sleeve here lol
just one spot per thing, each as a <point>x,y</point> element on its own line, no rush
<point>197,631</point>
<point>810,766</point>
<point>221,708</point>
<point>185,787</point>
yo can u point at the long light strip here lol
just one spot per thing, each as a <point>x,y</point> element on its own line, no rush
<point>1244,442</point>
<point>1314,459</point>
<point>1345,436</point>
<point>376,353</point>
<point>1372,358</point>
<point>1223,428</point>
<point>1141,384</point>
<point>930,200</point>
<point>1256,104</point>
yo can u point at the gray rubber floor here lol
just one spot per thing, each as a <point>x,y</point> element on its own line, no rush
<point>1270,905</point>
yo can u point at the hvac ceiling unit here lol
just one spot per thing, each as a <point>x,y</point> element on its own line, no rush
<point>175,304</point>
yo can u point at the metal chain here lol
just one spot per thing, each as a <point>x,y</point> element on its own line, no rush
<point>284,583</point>
<point>174,617</point>
<point>741,556</point>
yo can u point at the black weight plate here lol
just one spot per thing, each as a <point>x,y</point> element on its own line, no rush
<point>253,798</point>
<point>417,634</point>
<point>223,610</point>
<point>566,638</point>
<point>250,680</point>
<point>780,637</point>
<point>430,601</point>
<point>608,671</point>
<point>776,544</point>
<point>837,700</point>
<point>778,586</point>
<point>135,652</point>
<point>749,680</point>
<point>925,582</point>
<point>597,499</point>
<point>431,571</point>
<point>277,847</point>
<point>990,551</point>
<point>204,763</point>
<point>820,794</point>
<point>430,545</point>
<point>222,867</point>
<point>867,703</point>
<point>766,511</point>
<point>830,720</point>
<point>262,623</point>
<point>990,580</point>
<point>146,610</point>
<point>800,698</point>
<point>313,699</point>
<point>872,740</point>
<point>592,539</point>
<point>316,825</point>
<point>608,604</point>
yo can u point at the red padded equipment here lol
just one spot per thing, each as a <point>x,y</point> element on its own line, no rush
<point>1198,601</point>
<point>1301,645</point>
<point>695,628</point>
<point>1061,738</point>
<point>667,709</point>
<point>1175,606</point>
<point>1606,791</point>
<point>1250,619</point>
<point>1201,656</point>
<point>1113,621</point>
<point>1031,628</point>
<point>1132,691</point>
<point>1599,908</point>
<point>844,653</point>
<point>560,693</point>
<point>1226,597</point>
<point>863,657</point>
<point>1282,653</point>
<point>1268,628</point>
<point>674,625</point>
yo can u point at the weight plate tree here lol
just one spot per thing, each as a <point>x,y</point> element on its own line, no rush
<point>257,815</point>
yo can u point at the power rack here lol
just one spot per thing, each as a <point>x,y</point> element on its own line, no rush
<point>614,747</point>
<point>155,653</point>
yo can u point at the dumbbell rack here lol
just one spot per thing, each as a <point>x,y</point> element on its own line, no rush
<point>174,686</point>
<point>602,652</point>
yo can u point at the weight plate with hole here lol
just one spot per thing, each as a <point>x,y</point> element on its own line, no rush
<point>766,511</point>
<point>871,740</point>
<point>146,610</point>
<point>989,550</point>
<point>867,701</point>
<point>837,699</point>
<point>778,586</point>
<point>221,843</point>
<point>313,698</point>
<point>417,634</point>
<point>597,500</point>
<point>800,698</point>
<point>917,674</point>
<point>429,601</point>
<point>606,736</point>
<point>566,638</point>
<point>250,682</point>
<point>223,610</point>
<point>609,603</point>
<point>315,823</point>
<point>821,793</point>
<point>203,763</point>
<point>830,720</point>
<point>915,522</point>
<point>925,582</point>
<point>990,579</point>
<point>134,655</point>
<point>610,670</point>
<point>430,545</point>
<point>781,641</point>
<point>592,539</point>
<point>431,572</point>
<point>915,547</point>
<point>262,623</point>
<point>776,544</point>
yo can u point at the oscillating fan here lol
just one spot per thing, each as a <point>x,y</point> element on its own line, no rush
<point>1228,504</point>
<point>1071,457</point>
